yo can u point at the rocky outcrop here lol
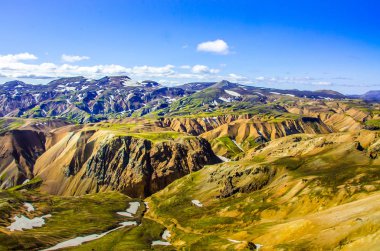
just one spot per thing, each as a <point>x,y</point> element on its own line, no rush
<point>89,161</point>
<point>242,181</point>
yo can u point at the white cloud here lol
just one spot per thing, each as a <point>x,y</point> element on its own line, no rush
<point>13,58</point>
<point>323,83</point>
<point>15,66</point>
<point>261,78</point>
<point>203,69</point>
<point>152,70</point>
<point>218,47</point>
<point>12,66</point>
<point>73,58</point>
<point>237,78</point>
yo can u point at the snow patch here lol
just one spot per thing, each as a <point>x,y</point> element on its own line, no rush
<point>146,205</point>
<point>36,96</point>
<point>214,102</point>
<point>130,83</point>
<point>166,235</point>
<point>238,145</point>
<point>288,94</point>
<point>130,95</point>
<point>224,159</point>
<point>67,89</point>
<point>232,93</point>
<point>234,241</point>
<point>197,203</point>
<point>23,222</point>
<point>29,207</point>
<point>133,207</point>
<point>169,99</point>
<point>225,99</point>
<point>162,243</point>
<point>258,246</point>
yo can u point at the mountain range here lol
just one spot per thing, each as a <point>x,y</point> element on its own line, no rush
<point>86,100</point>
<point>117,164</point>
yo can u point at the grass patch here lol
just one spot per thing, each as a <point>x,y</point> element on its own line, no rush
<point>158,136</point>
<point>7,124</point>
<point>226,143</point>
<point>33,183</point>
<point>71,217</point>
<point>373,124</point>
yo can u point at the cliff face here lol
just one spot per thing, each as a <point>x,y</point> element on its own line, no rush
<point>19,150</point>
<point>89,161</point>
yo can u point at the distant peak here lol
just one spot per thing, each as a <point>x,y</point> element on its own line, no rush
<point>331,92</point>
<point>225,84</point>
<point>14,82</point>
<point>67,80</point>
<point>121,77</point>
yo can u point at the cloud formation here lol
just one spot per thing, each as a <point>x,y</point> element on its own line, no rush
<point>218,47</point>
<point>322,83</point>
<point>73,58</point>
<point>25,65</point>
<point>185,67</point>
<point>238,78</point>
<point>13,58</point>
<point>203,69</point>
<point>15,66</point>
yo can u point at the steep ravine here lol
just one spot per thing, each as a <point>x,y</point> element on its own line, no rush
<point>21,147</point>
<point>19,150</point>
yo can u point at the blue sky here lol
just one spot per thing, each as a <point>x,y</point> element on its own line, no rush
<point>283,44</point>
